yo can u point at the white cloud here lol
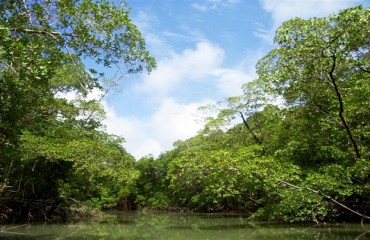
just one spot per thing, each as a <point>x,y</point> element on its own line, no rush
<point>136,133</point>
<point>190,64</point>
<point>230,81</point>
<point>208,5</point>
<point>171,122</point>
<point>194,68</point>
<point>200,7</point>
<point>145,21</point>
<point>132,129</point>
<point>202,64</point>
<point>175,121</point>
<point>178,36</point>
<point>123,126</point>
<point>267,35</point>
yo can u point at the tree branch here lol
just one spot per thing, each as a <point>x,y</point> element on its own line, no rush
<point>27,11</point>
<point>363,69</point>
<point>326,196</point>
<point>331,78</point>
<point>53,34</point>
<point>259,141</point>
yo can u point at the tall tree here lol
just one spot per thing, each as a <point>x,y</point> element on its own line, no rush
<point>320,68</point>
<point>320,64</point>
<point>46,141</point>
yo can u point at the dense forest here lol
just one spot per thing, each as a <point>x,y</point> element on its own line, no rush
<point>295,146</point>
<point>56,157</point>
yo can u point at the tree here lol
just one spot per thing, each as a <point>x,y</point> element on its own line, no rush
<point>44,46</point>
<point>305,158</point>
<point>152,184</point>
<point>39,38</point>
<point>256,110</point>
<point>320,64</point>
<point>320,68</point>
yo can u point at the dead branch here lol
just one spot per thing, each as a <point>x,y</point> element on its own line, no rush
<point>326,196</point>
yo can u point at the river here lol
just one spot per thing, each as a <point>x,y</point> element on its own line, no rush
<point>143,225</point>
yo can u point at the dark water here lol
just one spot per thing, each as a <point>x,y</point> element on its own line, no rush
<point>181,226</point>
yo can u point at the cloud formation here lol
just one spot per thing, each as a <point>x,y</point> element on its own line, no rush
<point>190,64</point>
<point>192,71</point>
<point>172,121</point>
<point>229,81</point>
<point>198,68</point>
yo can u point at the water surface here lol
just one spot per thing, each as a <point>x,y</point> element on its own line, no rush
<point>137,226</point>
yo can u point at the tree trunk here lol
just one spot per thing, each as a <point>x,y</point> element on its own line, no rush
<point>332,80</point>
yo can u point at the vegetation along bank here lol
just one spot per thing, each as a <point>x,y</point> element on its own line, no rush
<point>305,157</point>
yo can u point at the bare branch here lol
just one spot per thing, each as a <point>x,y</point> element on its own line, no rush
<point>332,79</point>
<point>326,196</point>
<point>259,141</point>
<point>363,69</point>
<point>53,34</point>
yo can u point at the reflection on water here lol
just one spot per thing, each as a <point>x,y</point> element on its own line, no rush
<point>181,226</point>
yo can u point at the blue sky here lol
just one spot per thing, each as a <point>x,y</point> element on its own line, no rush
<point>205,51</point>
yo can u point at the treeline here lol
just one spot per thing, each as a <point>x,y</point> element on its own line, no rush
<point>295,146</point>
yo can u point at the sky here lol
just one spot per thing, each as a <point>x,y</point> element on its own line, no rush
<point>205,51</point>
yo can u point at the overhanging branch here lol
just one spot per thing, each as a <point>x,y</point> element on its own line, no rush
<point>258,140</point>
<point>326,196</point>
<point>332,80</point>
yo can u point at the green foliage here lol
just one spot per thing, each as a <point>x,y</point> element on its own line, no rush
<point>225,178</point>
<point>151,185</point>
<point>319,66</point>
<point>54,151</point>
<point>306,156</point>
<point>293,147</point>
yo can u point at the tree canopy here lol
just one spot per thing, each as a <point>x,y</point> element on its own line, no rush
<point>300,150</point>
<point>54,152</point>
<point>295,146</point>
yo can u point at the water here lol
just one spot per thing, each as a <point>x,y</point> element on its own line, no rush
<point>137,226</point>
